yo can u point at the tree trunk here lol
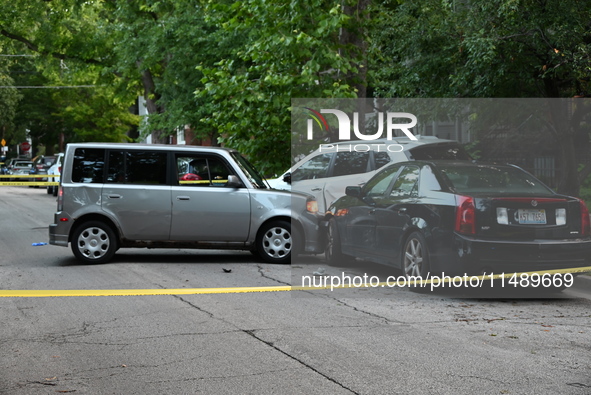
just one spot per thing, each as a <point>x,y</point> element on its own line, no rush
<point>563,123</point>
<point>356,37</point>
<point>152,97</point>
<point>569,179</point>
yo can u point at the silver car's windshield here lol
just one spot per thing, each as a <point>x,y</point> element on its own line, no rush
<point>251,172</point>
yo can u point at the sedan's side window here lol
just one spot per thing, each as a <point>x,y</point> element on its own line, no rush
<point>379,185</point>
<point>406,185</point>
<point>316,167</point>
<point>199,171</point>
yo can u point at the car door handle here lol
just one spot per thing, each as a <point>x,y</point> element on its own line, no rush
<point>113,196</point>
<point>372,211</point>
<point>316,189</point>
<point>402,210</point>
<point>183,198</point>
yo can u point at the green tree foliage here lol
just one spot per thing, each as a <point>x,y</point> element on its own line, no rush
<point>288,50</point>
<point>497,48</point>
<point>158,47</point>
<point>230,68</point>
<point>246,60</point>
<point>71,42</point>
<point>9,100</point>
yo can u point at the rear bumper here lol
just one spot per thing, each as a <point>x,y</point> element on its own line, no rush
<point>57,236</point>
<point>477,256</point>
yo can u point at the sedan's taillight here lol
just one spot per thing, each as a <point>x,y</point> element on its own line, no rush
<point>465,215</point>
<point>585,221</point>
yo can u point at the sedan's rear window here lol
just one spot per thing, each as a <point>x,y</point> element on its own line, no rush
<point>492,179</point>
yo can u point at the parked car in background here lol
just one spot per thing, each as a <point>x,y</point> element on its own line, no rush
<point>135,195</point>
<point>5,168</point>
<point>55,169</point>
<point>20,167</point>
<point>10,163</point>
<point>327,171</point>
<point>459,217</point>
<point>40,166</point>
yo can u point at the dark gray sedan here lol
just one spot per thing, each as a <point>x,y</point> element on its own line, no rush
<point>459,217</point>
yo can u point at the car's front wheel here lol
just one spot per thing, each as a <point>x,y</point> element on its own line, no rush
<point>94,242</point>
<point>274,242</point>
<point>333,253</point>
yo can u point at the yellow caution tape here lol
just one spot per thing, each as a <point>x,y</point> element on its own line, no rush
<point>182,182</point>
<point>5,180</point>
<point>29,175</point>
<point>28,183</point>
<point>136,292</point>
<point>201,291</point>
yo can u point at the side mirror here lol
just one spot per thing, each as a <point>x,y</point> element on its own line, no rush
<point>287,178</point>
<point>233,181</point>
<point>353,191</point>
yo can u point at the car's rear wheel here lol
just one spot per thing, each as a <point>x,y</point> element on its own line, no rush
<point>415,260</point>
<point>274,242</point>
<point>94,242</point>
<point>50,190</point>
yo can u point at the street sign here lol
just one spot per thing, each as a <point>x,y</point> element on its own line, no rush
<point>25,147</point>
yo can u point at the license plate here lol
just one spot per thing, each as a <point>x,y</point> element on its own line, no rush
<point>530,216</point>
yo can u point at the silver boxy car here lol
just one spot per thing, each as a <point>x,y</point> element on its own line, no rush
<point>115,195</point>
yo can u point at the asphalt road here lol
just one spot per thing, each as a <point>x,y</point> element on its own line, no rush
<point>360,341</point>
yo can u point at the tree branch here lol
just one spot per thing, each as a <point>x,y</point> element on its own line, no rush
<point>35,48</point>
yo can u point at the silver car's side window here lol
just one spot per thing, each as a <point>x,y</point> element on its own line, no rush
<point>88,165</point>
<point>316,167</point>
<point>350,163</point>
<point>201,171</point>
<point>137,167</point>
<point>381,159</point>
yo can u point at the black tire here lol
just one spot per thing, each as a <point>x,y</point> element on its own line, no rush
<point>94,242</point>
<point>54,191</point>
<point>274,243</point>
<point>333,253</point>
<point>415,260</point>
<point>50,190</point>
